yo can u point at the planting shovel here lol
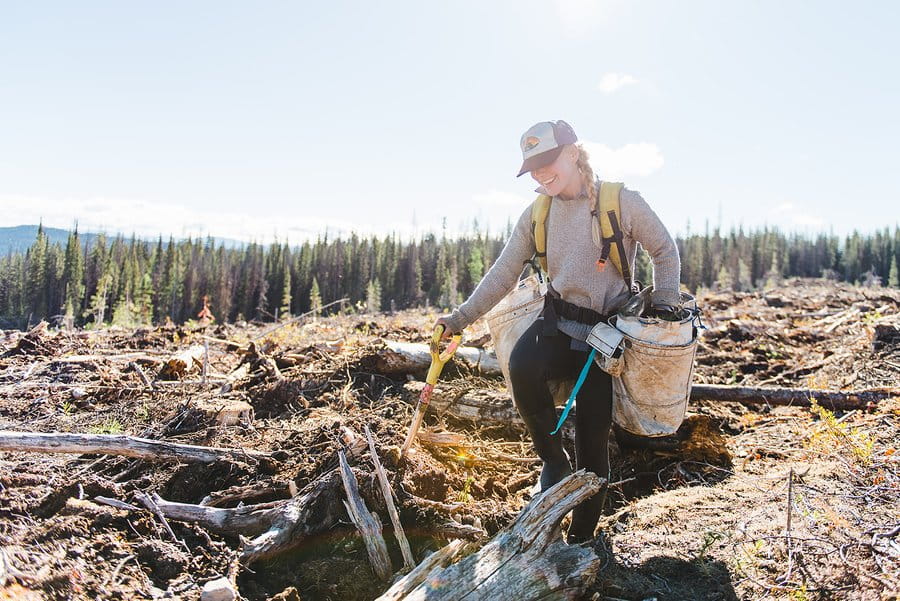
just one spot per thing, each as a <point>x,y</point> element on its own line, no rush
<point>438,359</point>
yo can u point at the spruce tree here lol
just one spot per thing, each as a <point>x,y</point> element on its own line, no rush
<point>73,278</point>
<point>285,311</point>
<point>315,298</point>
<point>373,297</point>
<point>35,290</point>
<point>97,305</point>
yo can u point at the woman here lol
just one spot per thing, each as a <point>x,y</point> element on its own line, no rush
<point>582,294</point>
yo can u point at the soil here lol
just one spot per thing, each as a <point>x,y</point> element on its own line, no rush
<point>748,502</point>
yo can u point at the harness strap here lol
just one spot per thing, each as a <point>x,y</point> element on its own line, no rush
<point>618,239</point>
<point>555,307</point>
<point>581,378</point>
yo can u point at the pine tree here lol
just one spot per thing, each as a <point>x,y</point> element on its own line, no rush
<point>97,305</point>
<point>475,265</point>
<point>35,290</point>
<point>171,283</point>
<point>723,279</point>
<point>744,281</point>
<point>145,299</point>
<point>373,297</point>
<point>73,279</point>
<point>315,298</point>
<point>894,278</point>
<point>285,310</point>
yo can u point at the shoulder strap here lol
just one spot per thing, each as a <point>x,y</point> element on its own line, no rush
<point>608,212</point>
<point>539,211</point>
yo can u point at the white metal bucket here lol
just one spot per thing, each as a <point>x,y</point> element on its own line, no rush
<point>514,314</point>
<point>650,396</point>
<point>509,319</point>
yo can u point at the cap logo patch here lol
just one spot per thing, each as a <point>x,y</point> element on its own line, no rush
<point>530,142</point>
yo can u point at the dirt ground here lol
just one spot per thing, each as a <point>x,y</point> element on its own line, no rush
<point>754,502</point>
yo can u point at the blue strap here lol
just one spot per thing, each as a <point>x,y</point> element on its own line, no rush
<point>581,377</point>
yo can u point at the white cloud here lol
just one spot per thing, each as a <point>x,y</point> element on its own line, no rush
<point>639,159</point>
<point>611,82</point>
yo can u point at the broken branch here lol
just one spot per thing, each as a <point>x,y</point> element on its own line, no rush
<point>118,444</point>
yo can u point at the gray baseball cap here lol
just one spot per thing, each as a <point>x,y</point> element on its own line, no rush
<point>543,142</point>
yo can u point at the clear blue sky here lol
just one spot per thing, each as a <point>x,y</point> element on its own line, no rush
<point>255,120</point>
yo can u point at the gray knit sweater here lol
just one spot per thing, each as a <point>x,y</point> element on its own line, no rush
<point>572,261</point>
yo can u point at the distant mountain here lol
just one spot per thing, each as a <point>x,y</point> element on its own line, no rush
<point>21,237</point>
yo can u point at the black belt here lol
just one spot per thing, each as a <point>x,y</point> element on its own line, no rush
<point>554,308</point>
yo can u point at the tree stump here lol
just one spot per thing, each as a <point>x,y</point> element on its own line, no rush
<point>526,561</point>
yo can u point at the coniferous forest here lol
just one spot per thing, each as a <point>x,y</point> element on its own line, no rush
<point>132,282</point>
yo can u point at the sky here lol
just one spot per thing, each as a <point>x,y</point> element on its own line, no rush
<point>283,120</point>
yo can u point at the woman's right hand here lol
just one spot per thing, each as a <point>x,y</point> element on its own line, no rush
<point>442,321</point>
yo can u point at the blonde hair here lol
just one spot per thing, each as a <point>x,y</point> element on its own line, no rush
<point>587,174</point>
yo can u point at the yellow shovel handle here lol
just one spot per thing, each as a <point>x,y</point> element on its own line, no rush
<point>438,359</point>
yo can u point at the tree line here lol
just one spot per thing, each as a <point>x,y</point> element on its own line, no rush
<point>130,282</point>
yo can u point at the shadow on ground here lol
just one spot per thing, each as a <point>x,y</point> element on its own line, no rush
<point>664,578</point>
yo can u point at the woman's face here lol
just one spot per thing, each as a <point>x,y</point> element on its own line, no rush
<point>561,177</point>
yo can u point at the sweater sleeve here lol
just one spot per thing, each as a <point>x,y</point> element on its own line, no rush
<point>642,224</point>
<point>500,278</point>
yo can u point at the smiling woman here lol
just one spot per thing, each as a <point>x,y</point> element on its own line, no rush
<point>583,293</point>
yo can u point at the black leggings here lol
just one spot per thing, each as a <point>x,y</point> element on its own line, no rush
<point>537,358</point>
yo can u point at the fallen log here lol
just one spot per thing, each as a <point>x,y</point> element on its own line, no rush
<point>797,397</point>
<point>495,407</point>
<point>478,405</point>
<point>436,561</point>
<point>119,444</point>
<point>183,362</point>
<point>528,560</point>
<point>275,527</point>
<point>404,357</point>
<point>409,357</point>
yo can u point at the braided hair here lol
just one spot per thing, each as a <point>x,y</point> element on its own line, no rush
<point>587,174</point>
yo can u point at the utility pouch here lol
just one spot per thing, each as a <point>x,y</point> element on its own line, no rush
<point>607,340</point>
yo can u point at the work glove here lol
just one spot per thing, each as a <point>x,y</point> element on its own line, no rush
<point>664,312</point>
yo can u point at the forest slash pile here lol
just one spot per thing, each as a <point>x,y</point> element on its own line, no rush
<point>747,502</point>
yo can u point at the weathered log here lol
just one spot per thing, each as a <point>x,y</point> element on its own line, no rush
<point>479,405</point>
<point>403,357</point>
<point>528,560</point>
<point>409,357</point>
<point>495,407</point>
<point>276,527</point>
<point>119,444</point>
<point>183,362</point>
<point>246,520</point>
<point>366,522</point>
<point>437,560</point>
<point>406,552</point>
<point>798,397</point>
